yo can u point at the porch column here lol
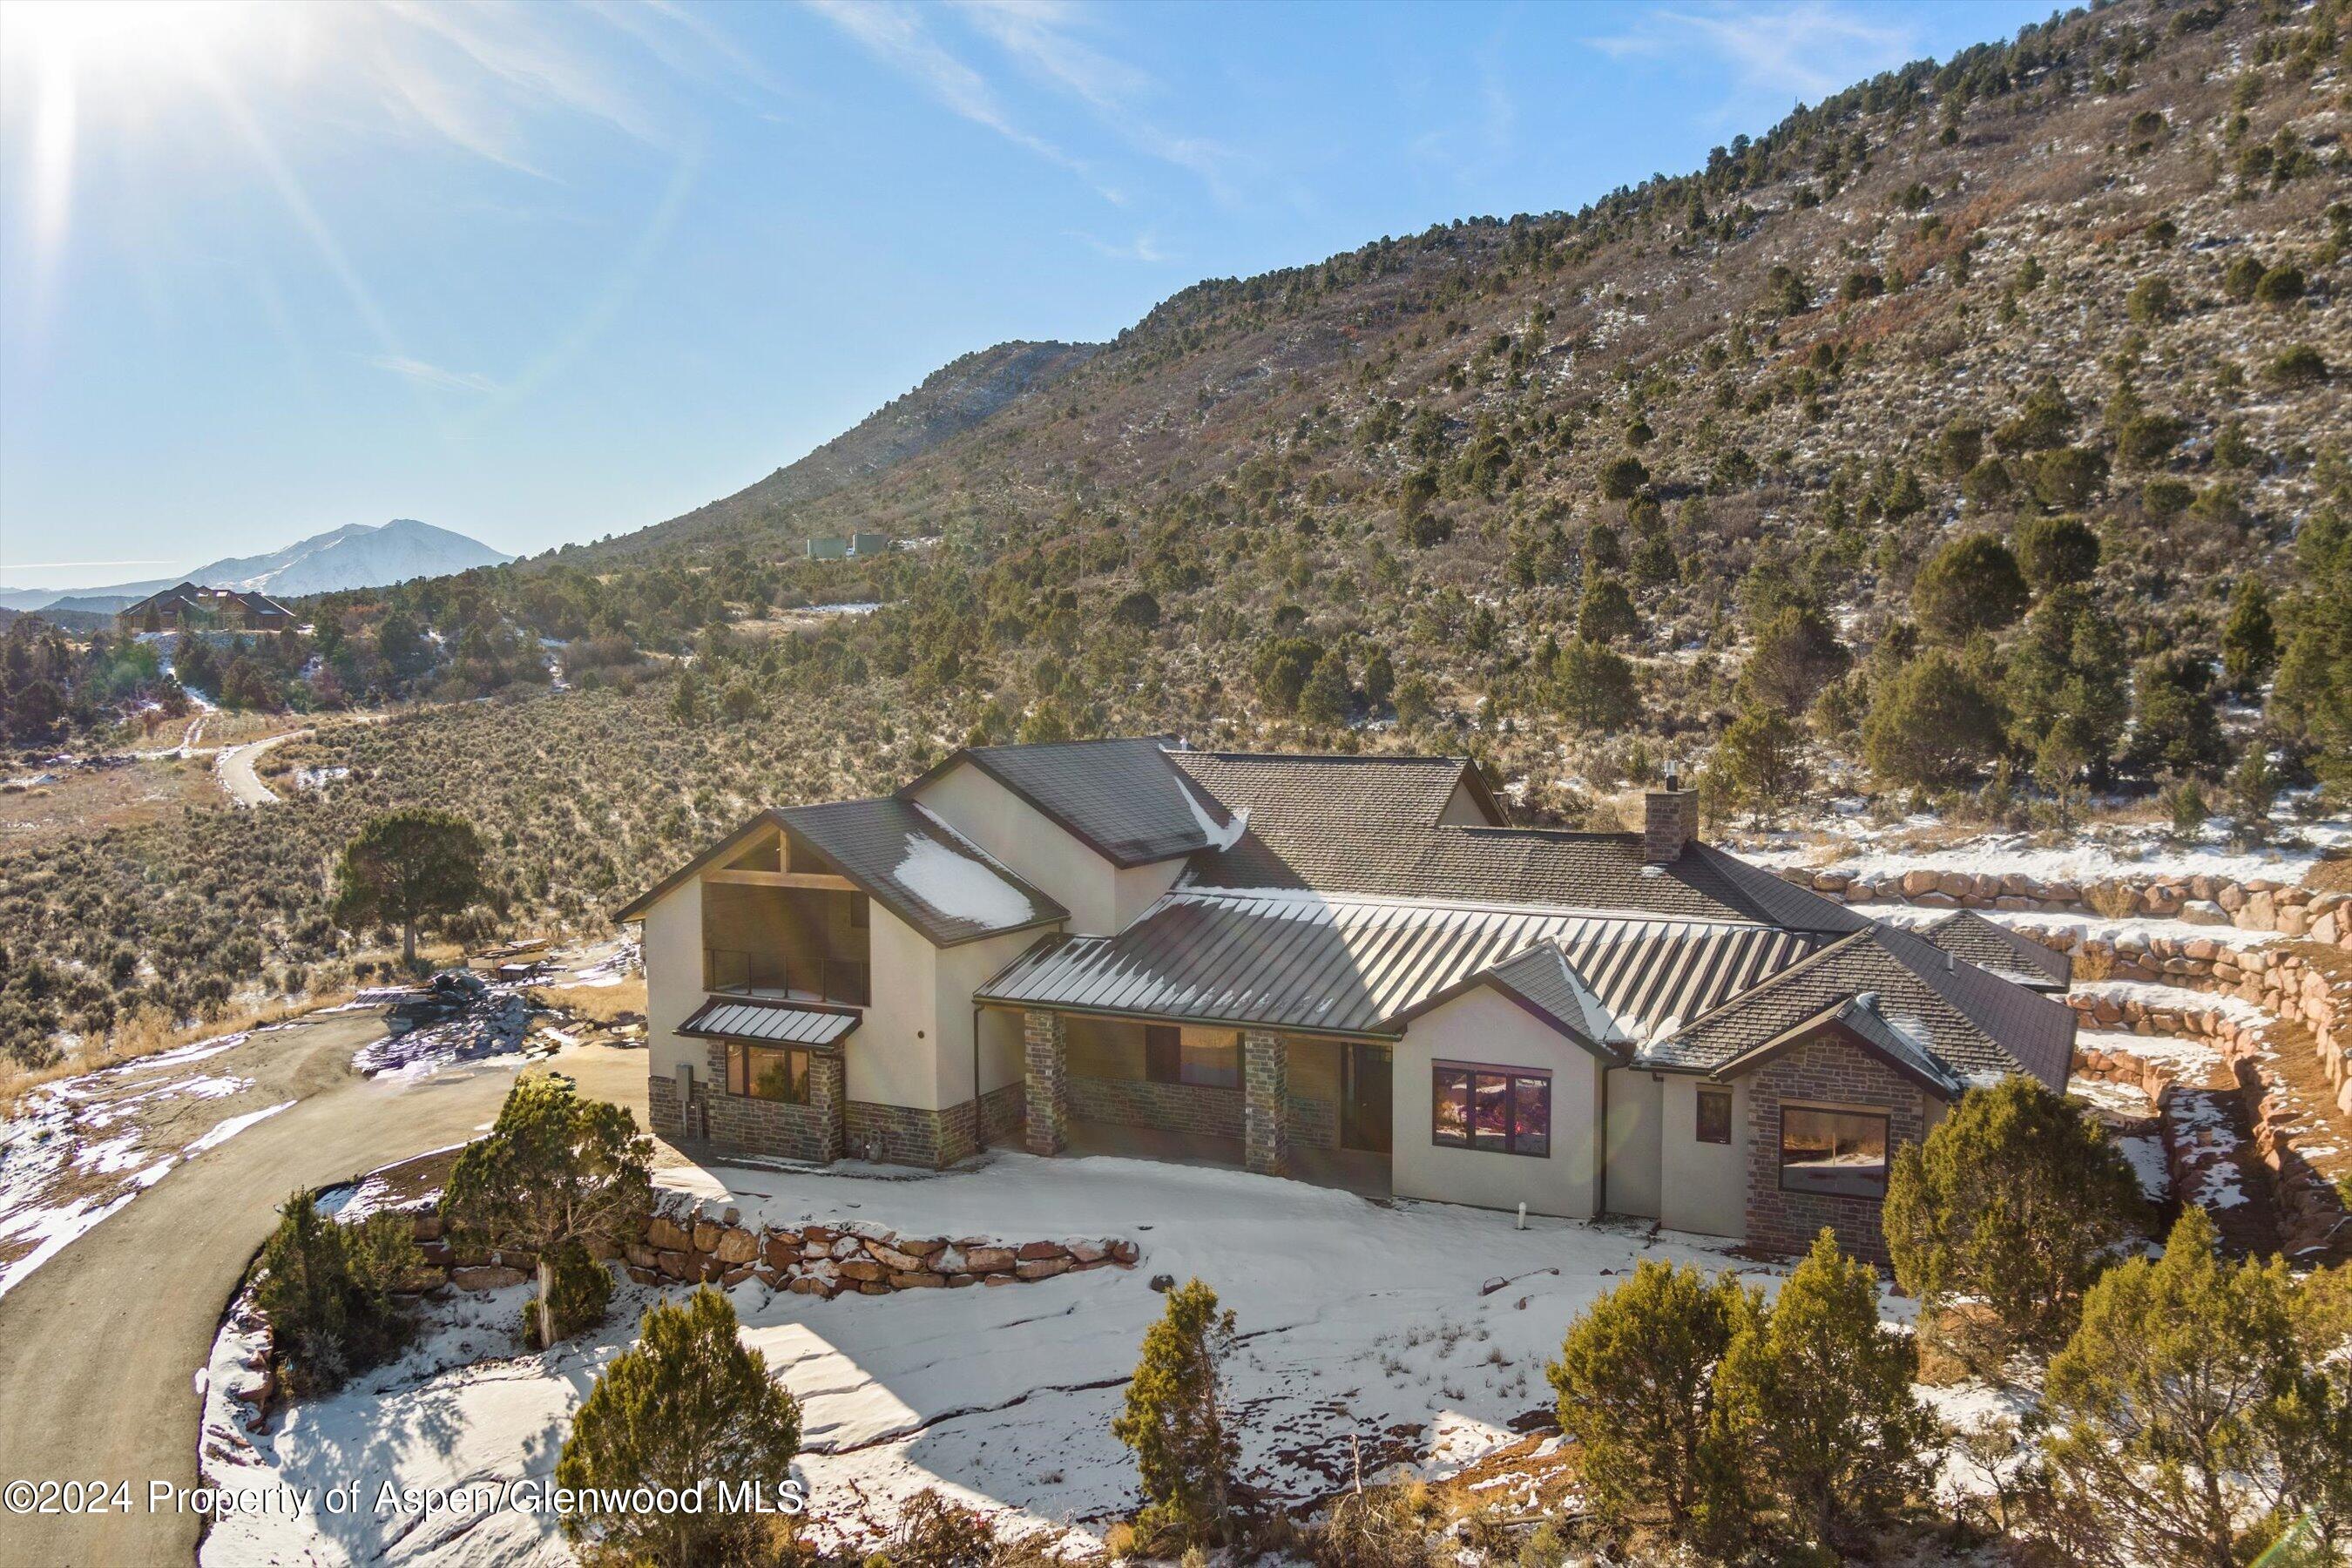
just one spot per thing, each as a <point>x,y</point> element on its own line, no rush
<point>1265,1103</point>
<point>1045,1049</point>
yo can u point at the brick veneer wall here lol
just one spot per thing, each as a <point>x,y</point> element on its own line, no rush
<point>905,1135</point>
<point>1174,1107</point>
<point>663,1114</point>
<point>1265,1103</point>
<point>1002,1113</point>
<point>1045,1076</point>
<point>1825,1070</point>
<point>742,1124</point>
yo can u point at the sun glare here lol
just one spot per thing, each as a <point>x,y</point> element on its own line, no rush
<point>116,35</point>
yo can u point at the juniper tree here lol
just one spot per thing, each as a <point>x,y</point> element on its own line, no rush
<point>1816,1399</point>
<point>329,1292</point>
<point>2249,640</point>
<point>1970,585</point>
<point>1175,1422</point>
<point>1796,653</point>
<point>2013,1205</point>
<point>557,1176</point>
<point>687,1409</point>
<point>1635,1381</point>
<point>2053,552</point>
<point>1932,723</point>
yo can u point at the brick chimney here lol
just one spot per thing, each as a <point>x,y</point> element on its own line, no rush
<point>1669,821</point>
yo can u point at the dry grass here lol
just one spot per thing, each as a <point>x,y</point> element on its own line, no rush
<point>600,1005</point>
<point>144,1032</point>
<point>91,800</point>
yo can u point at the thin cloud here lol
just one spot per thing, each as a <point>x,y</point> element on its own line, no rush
<point>899,37</point>
<point>1806,51</point>
<point>433,375</point>
<point>1144,246</point>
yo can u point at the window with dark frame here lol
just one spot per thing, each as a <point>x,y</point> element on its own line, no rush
<point>1163,1052</point>
<point>1714,1116</point>
<point>1500,1111</point>
<point>1840,1154</point>
<point>779,1073</point>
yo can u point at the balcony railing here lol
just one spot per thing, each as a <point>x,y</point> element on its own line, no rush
<point>754,973</point>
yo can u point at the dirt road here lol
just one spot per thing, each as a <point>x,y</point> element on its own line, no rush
<point>100,1348</point>
<point>237,776</point>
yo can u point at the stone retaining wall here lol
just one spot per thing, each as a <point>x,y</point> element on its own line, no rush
<point>2256,905</point>
<point>684,1242</point>
<point>2283,984</point>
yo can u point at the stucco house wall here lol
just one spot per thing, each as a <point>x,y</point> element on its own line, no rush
<point>1483,1028</point>
<point>1101,897</point>
<point>1703,1187</point>
<point>1633,1149</point>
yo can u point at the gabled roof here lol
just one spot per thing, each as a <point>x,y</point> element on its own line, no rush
<point>1355,965</point>
<point>1540,980</point>
<point>1977,1024</point>
<point>1121,798</point>
<point>2010,955</point>
<point>765,1021</point>
<point>1858,1018</point>
<point>902,857</point>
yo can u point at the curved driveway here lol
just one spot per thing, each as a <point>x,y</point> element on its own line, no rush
<point>235,766</point>
<point>100,1348</point>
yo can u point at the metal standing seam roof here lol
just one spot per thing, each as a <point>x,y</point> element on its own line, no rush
<point>775,1023</point>
<point>1354,965</point>
<point>2008,953</point>
<point>1123,798</point>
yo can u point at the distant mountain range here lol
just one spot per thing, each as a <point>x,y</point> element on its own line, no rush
<point>359,555</point>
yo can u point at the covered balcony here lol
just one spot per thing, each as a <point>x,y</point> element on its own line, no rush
<point>776,927</point>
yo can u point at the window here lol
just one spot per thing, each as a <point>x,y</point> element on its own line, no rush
<point>1715,1116</point>
<point>1839,1153</point>
<point>768,1072</point>
<point>1499,1109</point>
<point>1205,1058</point>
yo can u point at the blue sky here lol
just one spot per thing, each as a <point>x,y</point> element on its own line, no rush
<point>539,273</point>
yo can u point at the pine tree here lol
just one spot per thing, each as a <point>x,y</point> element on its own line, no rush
<point>1593,687</point>
<point>405,866</point>
<point>1175,1422</point>
<point>1758,765</point>
<point>2012,1202</point>
<point>687,1409</point>
<point>1816,1398</point>
<point>1606,614</point>
<point>1932,724</point>
<point>1636,1386</point>
<point>1324,698</point>
<point>1796,653</point>
<point>556,1176</point>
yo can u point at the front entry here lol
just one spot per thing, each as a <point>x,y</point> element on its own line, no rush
<point>1366,1097</point>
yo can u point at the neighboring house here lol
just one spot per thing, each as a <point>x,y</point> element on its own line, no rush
<point>1343,968</point>
<point>855,545</point>
<point>188,606</point>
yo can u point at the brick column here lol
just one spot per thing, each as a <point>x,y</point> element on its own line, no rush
<point>1045,1049</point>
<point>1265,1103</point>
<point>828,1094</point>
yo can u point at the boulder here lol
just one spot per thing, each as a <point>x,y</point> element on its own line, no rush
<point>486,1276</point>
<point>890,1257</point>
<point>706,1235</point>
<point>2204,913</point>
<point>1917,882</point>
<point>665,1235</point>
<point>919,1279</point>
<point>736,1246</point>
<point>1035,1251</point>
<point>989,1259</point>
<point>1042,1268</point>
<point>862,1269</point>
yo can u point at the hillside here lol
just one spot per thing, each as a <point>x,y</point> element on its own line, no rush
<point>957,397</point>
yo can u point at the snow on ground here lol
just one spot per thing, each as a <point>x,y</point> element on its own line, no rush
<point>81,1148</point>
<point>2123,1098</point>
<point>2137,852</point>
<point>2202,1121</point>
<point>2145,1153</point>
<point>2173,998</point>
<point>2129,933</point>
<point>2189,1059</point>
<point>1356,1319</point>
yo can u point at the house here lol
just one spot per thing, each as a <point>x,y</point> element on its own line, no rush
<point>846,549</point>
<point>1344,969</point>
<point>186,607</point>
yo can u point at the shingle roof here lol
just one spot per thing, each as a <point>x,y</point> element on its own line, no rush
<point>2008,953</point>
<point>1978,1024</point>
<point>1898,1043</point>
<point>922,870</point>
<point>902,857</point>
<point>1369,824</point>
<point>1542,978</point>
<point>1358,965</point>
<point>1119,797</point>
<point>769,1021</point>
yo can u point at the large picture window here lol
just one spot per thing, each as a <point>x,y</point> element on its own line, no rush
<point>1839,1153</point>
<point>1503,1111</point>
<point>1205,1058</point>
<point>768,1072</point>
